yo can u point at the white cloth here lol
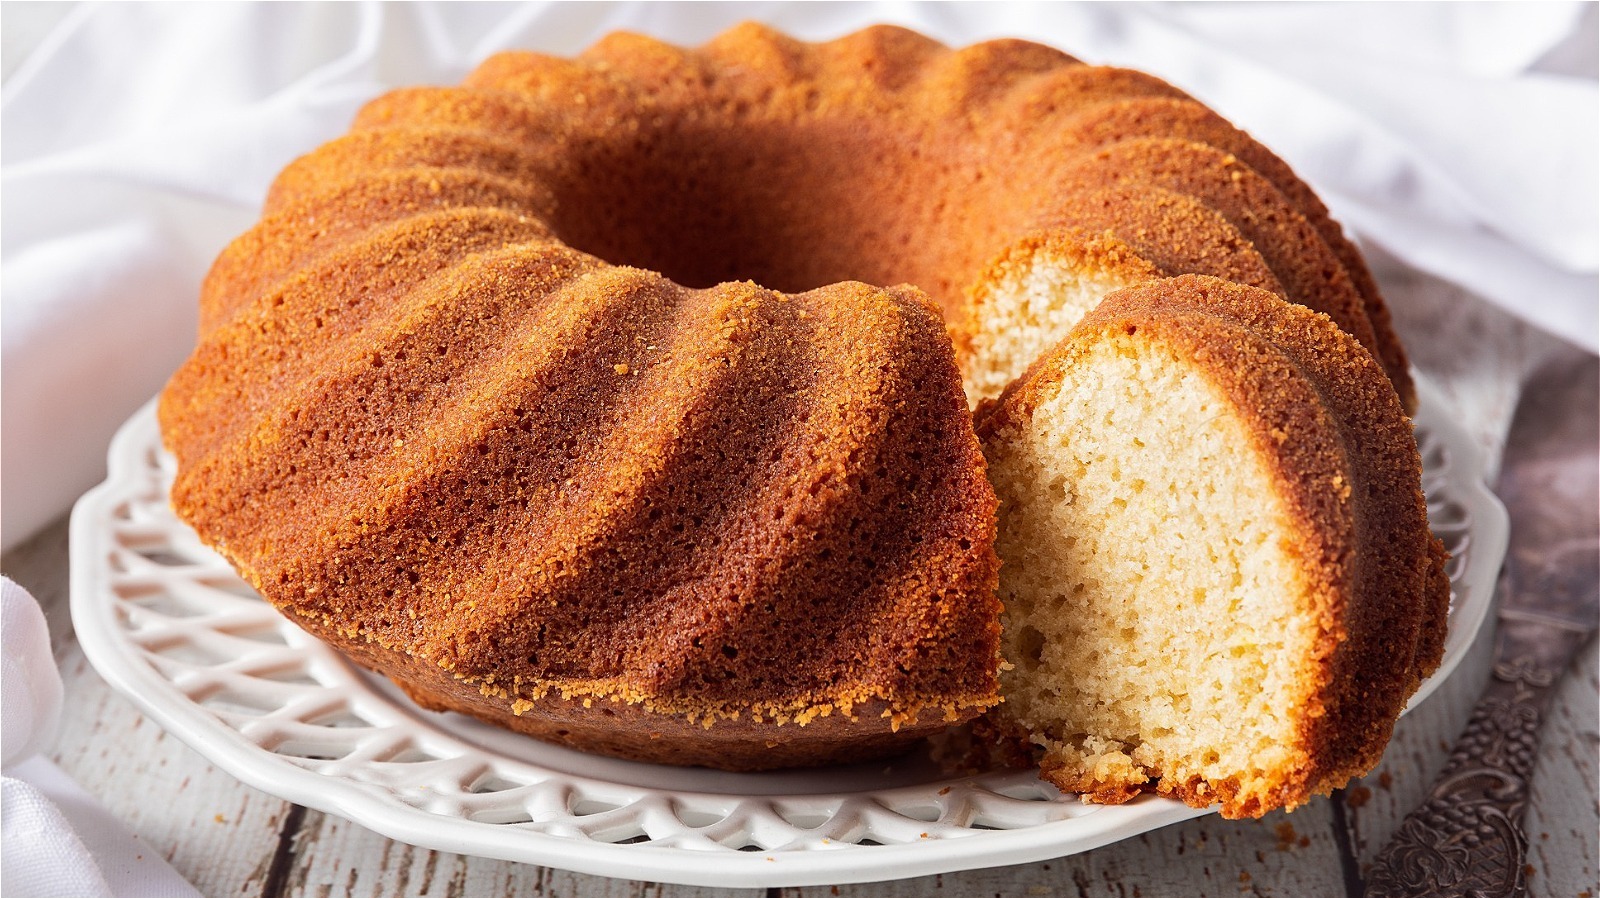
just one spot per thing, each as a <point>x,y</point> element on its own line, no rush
<point>139,138</point>
<point>56,840</point>
<point>30,687</point>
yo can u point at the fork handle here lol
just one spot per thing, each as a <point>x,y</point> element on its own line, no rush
<point>1466,839</point>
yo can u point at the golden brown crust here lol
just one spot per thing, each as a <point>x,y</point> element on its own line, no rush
<point>608,724</point>
<point>402,147</point>
<point>1057,95</point>
<point>343,212</point>
<point>491,113</point>
<point>318,307</point>
<point>1436,619</point>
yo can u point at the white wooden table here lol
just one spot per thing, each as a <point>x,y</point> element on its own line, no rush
<point>231,840</point>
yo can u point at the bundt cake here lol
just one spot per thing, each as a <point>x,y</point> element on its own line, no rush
<point>491,400</point>
<point>1219,579</point>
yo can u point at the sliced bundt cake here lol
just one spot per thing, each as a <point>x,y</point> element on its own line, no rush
<point>1219,580</point>
<point>490,398</point>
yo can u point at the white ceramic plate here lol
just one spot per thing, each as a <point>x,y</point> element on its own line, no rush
<point>168,623</point>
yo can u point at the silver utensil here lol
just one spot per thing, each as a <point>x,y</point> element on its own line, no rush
<point>1466,839</point>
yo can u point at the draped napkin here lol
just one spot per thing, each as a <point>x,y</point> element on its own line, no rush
<point>57,840</point>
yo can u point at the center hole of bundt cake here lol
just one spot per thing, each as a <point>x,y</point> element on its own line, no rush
<point>791,206</point>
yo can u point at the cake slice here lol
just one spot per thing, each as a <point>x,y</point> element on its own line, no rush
<point>1218,576</point>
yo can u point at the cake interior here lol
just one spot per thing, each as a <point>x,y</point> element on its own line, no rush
<point>1151,618</point>
<point>1026,311</point>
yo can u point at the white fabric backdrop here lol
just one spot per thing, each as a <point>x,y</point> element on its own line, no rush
<point>138,139</point>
